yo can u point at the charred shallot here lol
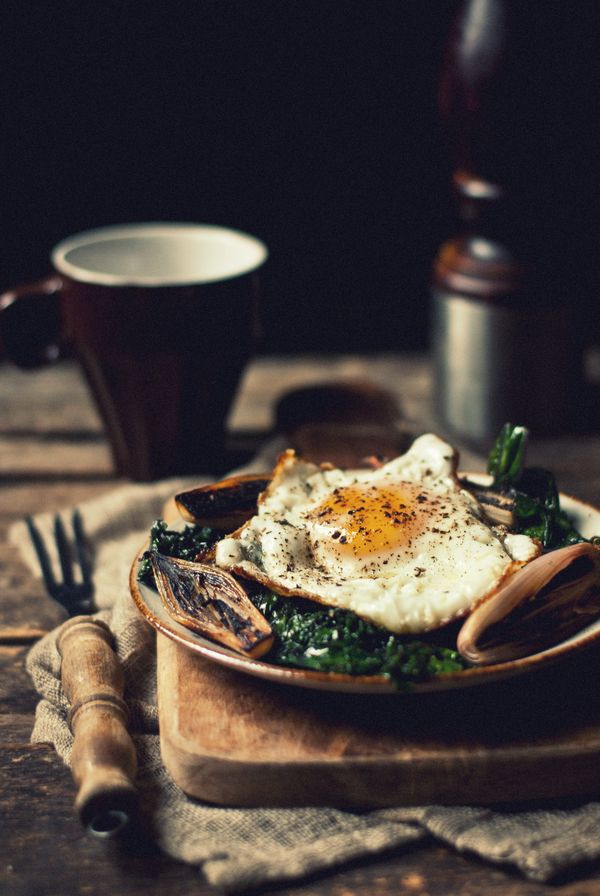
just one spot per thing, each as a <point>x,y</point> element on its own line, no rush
<point>212,603</point>
<point>223,505</point>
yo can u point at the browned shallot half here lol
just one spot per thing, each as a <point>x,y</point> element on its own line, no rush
<point>541,605</point>
<point>211,602</point>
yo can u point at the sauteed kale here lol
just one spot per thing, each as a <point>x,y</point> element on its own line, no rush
<point>330,640</point>
<point>186,545</point>
<point>536,503</point>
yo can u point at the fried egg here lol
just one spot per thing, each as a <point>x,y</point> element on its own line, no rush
<point>403,546</point>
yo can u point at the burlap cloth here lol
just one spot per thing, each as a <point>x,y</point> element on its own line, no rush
<point>239,849</point>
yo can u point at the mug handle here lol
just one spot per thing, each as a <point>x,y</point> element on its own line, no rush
<point>30,324</point>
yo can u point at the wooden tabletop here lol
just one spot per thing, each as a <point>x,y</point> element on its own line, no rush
<point>53,454</point>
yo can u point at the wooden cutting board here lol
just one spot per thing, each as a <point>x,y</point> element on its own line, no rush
<point>231,739</point>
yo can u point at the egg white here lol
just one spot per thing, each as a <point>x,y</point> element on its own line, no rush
<point>403,546</point>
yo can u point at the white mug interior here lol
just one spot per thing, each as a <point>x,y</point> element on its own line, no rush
<point>158,254</point>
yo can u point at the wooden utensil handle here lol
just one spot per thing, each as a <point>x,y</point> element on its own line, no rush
<point>103,761</point>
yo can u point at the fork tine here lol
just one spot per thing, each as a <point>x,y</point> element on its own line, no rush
<point>82,552</point>
<point>42,555</point>
<point>64,553</point>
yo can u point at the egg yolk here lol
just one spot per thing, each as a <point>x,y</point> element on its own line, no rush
<point>370,519</point>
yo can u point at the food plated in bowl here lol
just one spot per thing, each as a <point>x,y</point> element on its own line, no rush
<point>363,579</point>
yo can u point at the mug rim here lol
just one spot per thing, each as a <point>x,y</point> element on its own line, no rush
<point>81,274</point>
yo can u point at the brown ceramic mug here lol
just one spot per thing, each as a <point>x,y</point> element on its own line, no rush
<point>162,318</point>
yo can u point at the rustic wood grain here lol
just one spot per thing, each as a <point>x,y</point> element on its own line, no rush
<point>16,690</point>
<point>15,728</point>
<point>24,602</point>
<point>43,849</point>
<point>80,460</point>
<point>250,742</point>
<point>103,761</point>
<point>22,635</point>
<point>47,402</point>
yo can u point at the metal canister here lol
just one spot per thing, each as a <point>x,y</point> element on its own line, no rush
<point>503,345</point>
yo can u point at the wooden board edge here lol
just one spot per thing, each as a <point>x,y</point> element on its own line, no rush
<point>369,783</point>
<point>521,771</point>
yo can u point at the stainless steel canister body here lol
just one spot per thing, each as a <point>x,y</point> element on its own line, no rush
<point>498,361</point>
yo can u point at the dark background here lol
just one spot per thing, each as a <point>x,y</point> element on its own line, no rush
<point>311,124</point>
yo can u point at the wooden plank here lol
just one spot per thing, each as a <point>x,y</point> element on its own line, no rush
<point>267,378</point>
<point>15,729</point>
<point>22,635</point>
<point>22,497</point>
<point>24,604</point>
<point>43,850</point>
<point>47,400</point>
<point>22,458</point>
<point>235,740</point>
<point>16,690</point>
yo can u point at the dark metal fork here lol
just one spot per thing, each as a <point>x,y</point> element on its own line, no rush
<point>77,597</point>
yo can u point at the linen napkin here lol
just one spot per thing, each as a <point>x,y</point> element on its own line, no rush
<point>240,849</point>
